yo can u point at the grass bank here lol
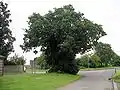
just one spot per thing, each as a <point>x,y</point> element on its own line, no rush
<point>116,77</point>
<point>36,82</point>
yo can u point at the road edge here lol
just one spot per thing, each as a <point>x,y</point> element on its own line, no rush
<point>114,85</point>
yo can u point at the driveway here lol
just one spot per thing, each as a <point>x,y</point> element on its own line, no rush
<point>92,80</point>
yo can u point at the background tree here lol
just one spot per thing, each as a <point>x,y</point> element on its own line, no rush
<point>105,52</point>
<point>15,60</point>
<point>95,61</point>
<point>115,60</point>
<point>41,61</point>
<point>6,39</point>
<point>62,34</point>
<point>83,61</point>
<point>92,59</point>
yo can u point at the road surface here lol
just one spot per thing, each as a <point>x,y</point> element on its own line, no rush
<point>92,80</point>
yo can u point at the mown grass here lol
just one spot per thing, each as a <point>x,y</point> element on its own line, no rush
<point>35,82</point>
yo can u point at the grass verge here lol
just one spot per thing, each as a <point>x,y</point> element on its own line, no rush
<point>49,81</point>
<point>90,69</point>
<point>116,77</point>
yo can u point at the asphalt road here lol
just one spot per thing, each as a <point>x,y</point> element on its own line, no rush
<point>92,80</point>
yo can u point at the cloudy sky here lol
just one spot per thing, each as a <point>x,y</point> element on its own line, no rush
<point>105,12</point>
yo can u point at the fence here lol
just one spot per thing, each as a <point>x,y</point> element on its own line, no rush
<point>13,69</point>
<point>1,65</point>
<point>34,68</point>
<point>6,69</point>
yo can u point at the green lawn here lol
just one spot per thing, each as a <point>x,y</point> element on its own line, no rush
<point>49,81</point>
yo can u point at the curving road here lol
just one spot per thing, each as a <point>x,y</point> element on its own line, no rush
<point>92,80</point>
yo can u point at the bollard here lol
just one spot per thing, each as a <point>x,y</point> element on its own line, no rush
<point>115,70</point>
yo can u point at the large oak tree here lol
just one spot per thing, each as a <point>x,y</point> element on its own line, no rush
<point>61,33</point>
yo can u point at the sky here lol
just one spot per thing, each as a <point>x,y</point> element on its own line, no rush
<point>104,12</point>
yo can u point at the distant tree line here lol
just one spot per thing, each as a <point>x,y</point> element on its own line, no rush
<point>15,60</point>
<point>103,56</point>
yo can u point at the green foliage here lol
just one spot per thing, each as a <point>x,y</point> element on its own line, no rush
<point>105,52</point>
<point>6,39</point>
<point>95,61</point>
<point>62,34</point>
<point>116,60</point>
<point>82,62</point>
<point>104,56</point>
<point>15,60</point>
<point>41,61</point>
<point>91,61</point>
